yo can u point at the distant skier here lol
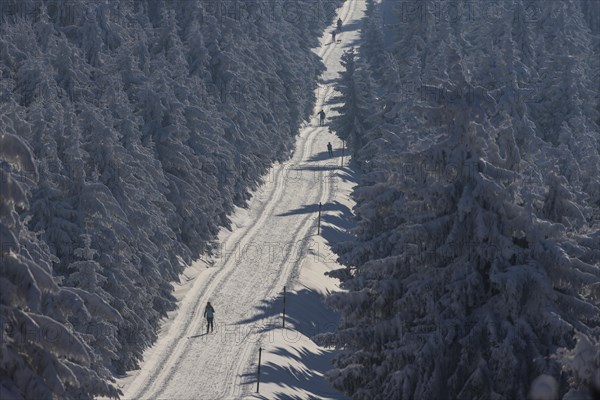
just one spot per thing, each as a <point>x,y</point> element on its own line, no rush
<point>330,149</point>
<point>339,24</point>
<point>322,118</point>
<point>209,313</point>
<point>333,33</point>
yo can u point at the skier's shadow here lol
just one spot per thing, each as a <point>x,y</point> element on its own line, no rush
<point>197,336</point>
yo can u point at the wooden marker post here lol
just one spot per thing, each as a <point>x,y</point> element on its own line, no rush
<point>258,373</point>
<point>319,221</point>
<point>284,306</point>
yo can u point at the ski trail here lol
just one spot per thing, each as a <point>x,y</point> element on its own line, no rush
<point>185,364</point>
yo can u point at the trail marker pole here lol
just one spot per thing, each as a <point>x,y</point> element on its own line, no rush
<point>319,221</point>
<point>258,373</point>
<point>284,306</point>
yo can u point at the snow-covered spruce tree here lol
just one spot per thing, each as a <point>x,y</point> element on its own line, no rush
<point>583,364</point>
<point>373,49</point>
<point>455,291</point>
<point>565,69</point>
<point>41,356</point>
<point>358,103</point>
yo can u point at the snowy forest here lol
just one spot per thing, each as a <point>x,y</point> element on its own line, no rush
<point>131,130</point>
<point>128,132</point>
<point>474,272</point>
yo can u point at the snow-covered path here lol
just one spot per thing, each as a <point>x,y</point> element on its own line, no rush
<point>261,255</point>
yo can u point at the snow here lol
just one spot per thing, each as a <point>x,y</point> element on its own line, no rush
<point>544,387</point>
<point>468,244</point>
<point>272,244</point>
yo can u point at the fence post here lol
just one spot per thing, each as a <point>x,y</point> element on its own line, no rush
<point>284,306</point>
<point>319,221</point>
<point>258,373</point>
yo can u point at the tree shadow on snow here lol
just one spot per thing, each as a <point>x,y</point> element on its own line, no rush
<point>294,379</point>
<point>355,43</point>
<point>327,81</point>
<point>347,174</point>
<point>314,208</point>
<point>324,155</point>
<point>353,26</point>
<point>337,227</point>
<point>317,168</point>
<point>305,313</point>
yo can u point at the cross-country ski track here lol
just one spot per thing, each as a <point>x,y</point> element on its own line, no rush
<point>262,253</point>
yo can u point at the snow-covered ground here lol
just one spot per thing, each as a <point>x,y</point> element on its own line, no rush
<point>274,243</point>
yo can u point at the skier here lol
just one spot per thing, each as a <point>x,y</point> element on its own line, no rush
<point>339,24</point>
<point>322,116</point>
<point>330,149</point>
<point>209,313</point>
<point>332,36</point>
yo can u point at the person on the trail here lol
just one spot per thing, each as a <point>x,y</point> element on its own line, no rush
<point>339,24</point>
<point>332,36</point>
<point>209,313</point>
<point>330,149</point>
<point>322,118</point>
